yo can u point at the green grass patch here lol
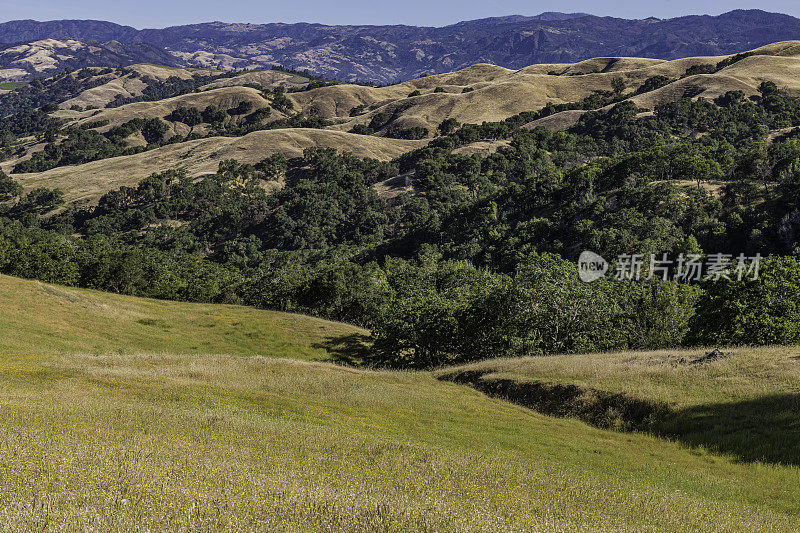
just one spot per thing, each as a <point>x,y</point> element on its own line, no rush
<point>744,404</point>
<point>39,318</point>
<point>11,85</point>
<point>125,414</point>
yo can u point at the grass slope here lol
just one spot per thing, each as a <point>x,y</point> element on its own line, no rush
<point>499,93</point>
<point>744,405</point>
<point>42,319</point>
<point>85,183</point>
<point>197,441</point>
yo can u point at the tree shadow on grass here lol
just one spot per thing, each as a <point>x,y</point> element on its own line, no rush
<point>765,429</point>
<point>350,349</point>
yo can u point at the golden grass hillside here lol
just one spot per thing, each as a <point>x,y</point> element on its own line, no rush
<point>498,93</point>
<point>85,183</point>
<point>493,93</point>
<point>223,98</point>
<point>134,80</point>
<point>130,82</point>
<point>264,78</point>
<point>128,414</point>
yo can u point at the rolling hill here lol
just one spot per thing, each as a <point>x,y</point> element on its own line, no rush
<point>473,95</point>
<point>122,413</point>
<point>387,54</point>
<point>85,183</point>
<point>47,57</point>
<point>40,319</point>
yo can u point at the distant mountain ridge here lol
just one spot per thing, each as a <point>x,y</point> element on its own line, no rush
<point>385,54</point>
<point>547,16</point>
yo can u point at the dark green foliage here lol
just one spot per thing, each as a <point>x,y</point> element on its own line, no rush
<point>28,122</point>
<point>9,189</point>
<point>413,133</point>
<point>39,93</point>
<point>243,108</point>
<point>80,146</point>
<point>273,167</point>
<point>358,110</point>
<point>153,130</point>
<point>728,61</point>
<point>213,115</point>
<point>700,69</point>
<point>188,115</point>
<point>172,86</point>
<point>280,101</point>
<point>313,85</point>
<point>39,201</point>
<point>379,120</point>
<point>361,129</point>
<point>448,126</point>
<point>653,83</point>
<point>747,311</point>
<point>259,115</point>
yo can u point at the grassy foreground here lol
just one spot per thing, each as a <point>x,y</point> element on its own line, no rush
<point>133,433</point>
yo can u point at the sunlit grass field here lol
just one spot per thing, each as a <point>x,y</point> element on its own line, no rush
<point>37,318</point>
<point>745,404</point>
<point>134,433</point>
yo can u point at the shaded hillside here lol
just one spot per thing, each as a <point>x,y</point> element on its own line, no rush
<point>89,181</point>
<point>387,54</point>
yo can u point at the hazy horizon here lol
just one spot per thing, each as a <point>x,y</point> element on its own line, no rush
<point>151,14</point>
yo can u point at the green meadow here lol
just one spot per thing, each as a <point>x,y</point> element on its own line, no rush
<point>128,414</point>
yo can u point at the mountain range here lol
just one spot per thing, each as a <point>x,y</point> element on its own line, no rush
<point>387,54</point>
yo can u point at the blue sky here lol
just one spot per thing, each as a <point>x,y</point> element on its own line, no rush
<point>160,13</point>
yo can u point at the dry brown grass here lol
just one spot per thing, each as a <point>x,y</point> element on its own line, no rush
<point>264,78</point>
<point>497,93</point>
<point>87,182</point>
<point>128,85</point>
<point>557,122</point>
<point>223,98</point>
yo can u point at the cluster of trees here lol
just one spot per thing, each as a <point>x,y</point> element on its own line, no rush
<point>75,145</point>
<point>479,260</point>
<point>81,145</point>
<point>45,92</point>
